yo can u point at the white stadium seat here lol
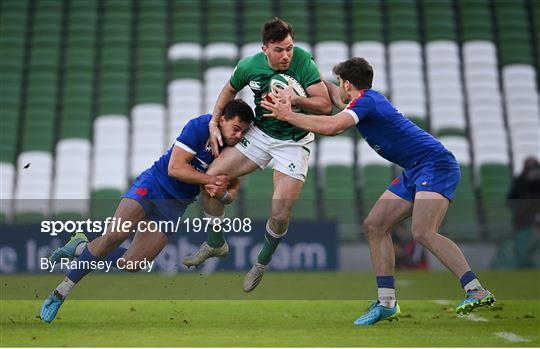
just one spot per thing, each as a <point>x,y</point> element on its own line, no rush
<point>215,78</point>
<point>148,136</point>
<point>110,152</point>
<point>7,186</point>
<point>459,146</point>
<point>336,151</point>
<point>328,54</point>
<point>368,156</point>
<point>375,53</point>
<point>221,50</point>
<point>185,50</point>
<point>34,183</point>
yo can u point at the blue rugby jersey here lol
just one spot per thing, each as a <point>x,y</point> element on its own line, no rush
<point>390,133</point>
<point>193,139</point>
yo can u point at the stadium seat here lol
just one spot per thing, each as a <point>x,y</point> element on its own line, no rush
<point>110,153</point>
<point>221,22</point>
<point>519,85</point>
<point>367,23</point>
<point>215,78</point>
<point>447,115</point>
<point>297,14</point>
<point>183,105</point>
<point>221,53</point>
<point>375,175</point>
<point>71,189</point>
<point>339,199</point>
<point>329,53</point>
<point>255,13</point>
<point>407,80</point>
<point>185,50</point>
<point>461,219</point>
<point>147,140</point>
<point>34,180</point>
<point>375,53</point>
<point>329,22</point>
<point>7,173</point>
<point>258,189</point>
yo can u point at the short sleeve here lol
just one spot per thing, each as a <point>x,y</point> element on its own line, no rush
<point>359,108</point>
<point>189,138</point>
<point>239,77</point>
<point>310,72</point>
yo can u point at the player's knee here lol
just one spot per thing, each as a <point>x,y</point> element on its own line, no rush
<point>279,224</point>
<point>421,236</point>
<point>372,226</point>
<point>112,240</point>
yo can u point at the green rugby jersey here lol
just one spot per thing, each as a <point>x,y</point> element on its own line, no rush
<point>255,72</point>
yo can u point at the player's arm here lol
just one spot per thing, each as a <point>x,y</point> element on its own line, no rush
<point>317,101</point>
<point>227,94</point>
<point>181,169</point>
<point>225,194</point>
<point>323,124</point>
<point>335,97</point>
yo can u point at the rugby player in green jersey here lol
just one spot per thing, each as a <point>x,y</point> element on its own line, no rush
<point>292,69</point>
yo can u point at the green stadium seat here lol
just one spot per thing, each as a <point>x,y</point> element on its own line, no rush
<point>104,203</point>
<point>297,14</point>
<point>494,184</point>
<point>258,194</point>
<point>338,185</point>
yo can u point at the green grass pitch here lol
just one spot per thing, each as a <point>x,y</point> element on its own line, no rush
<point>288,309</point>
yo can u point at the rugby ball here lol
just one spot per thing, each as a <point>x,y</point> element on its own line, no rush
<point>281,81</point>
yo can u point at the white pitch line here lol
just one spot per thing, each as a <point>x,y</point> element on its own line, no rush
<point>512,337</point>
<point>442,301</point>
<point>476,318</point>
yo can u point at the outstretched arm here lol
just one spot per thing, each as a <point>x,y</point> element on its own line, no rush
<point>333,91</point>
<point>323,124</point>
<point>226,95</point>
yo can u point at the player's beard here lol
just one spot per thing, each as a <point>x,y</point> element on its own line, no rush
<point>345,98</point>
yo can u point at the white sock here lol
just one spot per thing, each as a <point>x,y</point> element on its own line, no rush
<point>472,285</point>
<point>65,287</point>
<point>80,248</point>
<point>387,297</point>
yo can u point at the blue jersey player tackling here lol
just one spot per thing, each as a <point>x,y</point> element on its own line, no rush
<point>424,189</point>
<point>161,193</point>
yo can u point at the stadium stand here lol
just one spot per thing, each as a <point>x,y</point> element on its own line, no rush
<point>95,90</point>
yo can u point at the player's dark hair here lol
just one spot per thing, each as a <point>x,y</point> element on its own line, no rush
<point>238,107</point>
<point>276,30</point>
<point>356,70</point>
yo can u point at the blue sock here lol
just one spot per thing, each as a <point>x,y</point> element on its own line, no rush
<point>76,275</point>
<point>385,282</point>
<point>469,281</point>
<point>115,255</point>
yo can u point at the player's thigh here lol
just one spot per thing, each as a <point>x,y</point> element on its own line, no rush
<point>128,210</point>
<point>389,210</point>
<point>428,213</point>
<point>233,163</point>
<point>285,194</point>
<point>146,245</point>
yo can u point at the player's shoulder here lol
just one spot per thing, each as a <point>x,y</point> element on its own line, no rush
<point>301,53</point>
<point>202,120</point>
<point>199,125</point>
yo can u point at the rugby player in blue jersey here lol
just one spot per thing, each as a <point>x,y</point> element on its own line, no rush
<point>161,193</point>
<point>423,191</point>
